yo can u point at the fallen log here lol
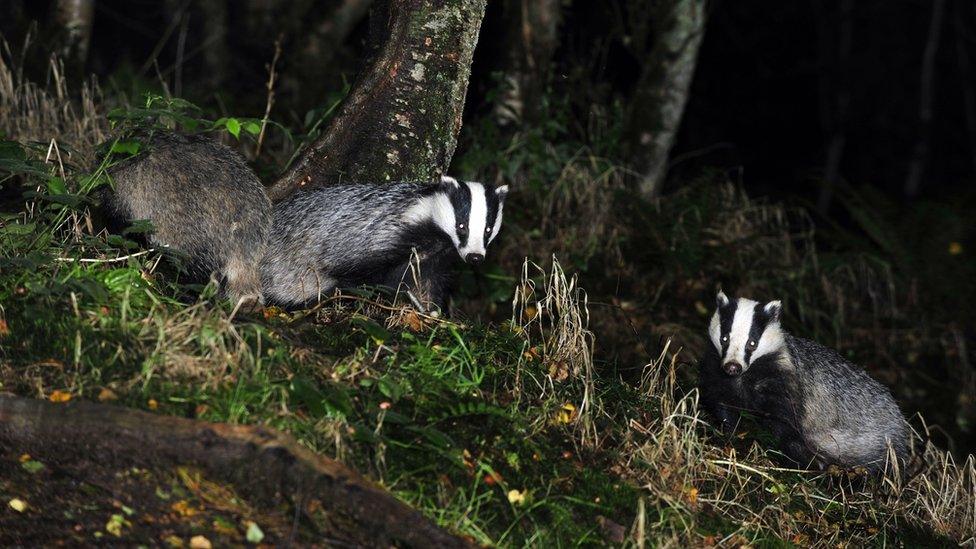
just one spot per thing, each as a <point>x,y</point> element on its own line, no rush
<point>261,462</point>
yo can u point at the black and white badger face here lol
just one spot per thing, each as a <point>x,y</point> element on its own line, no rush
<point>469,213</point>
<point>743,330</point>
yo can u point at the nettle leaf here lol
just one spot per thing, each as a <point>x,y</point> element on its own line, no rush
<point>252,127</point>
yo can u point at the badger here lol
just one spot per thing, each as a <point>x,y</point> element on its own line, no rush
<point>384,235</point>
<point>203,202</point>
<point>821,409</point>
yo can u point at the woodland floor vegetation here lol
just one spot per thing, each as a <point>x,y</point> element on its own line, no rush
<point>556,407</point>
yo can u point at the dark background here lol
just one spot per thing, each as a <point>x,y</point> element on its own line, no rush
<point>763,99</point>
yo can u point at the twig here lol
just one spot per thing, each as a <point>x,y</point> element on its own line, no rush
<point>272,77</point>
<point>112,260</point>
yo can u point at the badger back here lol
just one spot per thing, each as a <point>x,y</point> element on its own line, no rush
<point>333,226</point>
<point>848,416</point>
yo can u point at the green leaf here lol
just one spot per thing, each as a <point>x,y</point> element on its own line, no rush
<point>252,128</point>
<point>17,229</point>
<point>254,533</point>
<point>373,329</point>
<point>234,127</point>
<point>336,401</point>
<point>139,226</point>
<point>32,467</point>
<point>390,389</point>
<point>129,147</point>
<point>304,392</point>
<point>436,437</point>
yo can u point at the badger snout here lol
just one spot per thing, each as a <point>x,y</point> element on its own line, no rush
<point>474,259</point>
<point>732,368</point>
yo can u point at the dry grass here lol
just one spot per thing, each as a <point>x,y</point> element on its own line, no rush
<point>670,453</point>
<point>554,321</point>
<point>51,113</point>
<point>666,446</point>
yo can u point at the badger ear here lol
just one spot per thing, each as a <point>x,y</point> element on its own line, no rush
<point>502,192</point>
<point>721,300</point>
<point>449,182</point>
<point>773,309</point>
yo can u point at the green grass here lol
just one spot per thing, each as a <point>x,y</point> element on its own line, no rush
<point>542,429</point>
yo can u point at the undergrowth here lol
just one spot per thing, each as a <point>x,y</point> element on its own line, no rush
<point>539,428</point>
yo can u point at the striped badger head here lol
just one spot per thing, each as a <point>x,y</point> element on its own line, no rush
<point>743,330</point>
<point>471,215</point>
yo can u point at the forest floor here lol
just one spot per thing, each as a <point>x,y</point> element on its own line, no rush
<point>538,414</point>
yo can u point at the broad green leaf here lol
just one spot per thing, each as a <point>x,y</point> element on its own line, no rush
<point>234,127</point>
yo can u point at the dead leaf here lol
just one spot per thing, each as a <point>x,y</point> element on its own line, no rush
<point>516,497</point>
<point>184,509</point>
<point>115,525</point>
<point>413,321</point>
<point>612,532</point>
<point>107,395</point>
<point>59,396</point>
<point>567,414</point>
<point>559,370</point>
<point>18,505</point>
<point>492,479</point>
<point>200,542</point>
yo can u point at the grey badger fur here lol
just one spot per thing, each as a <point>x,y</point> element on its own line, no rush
<point>822,409</point>
<point>203,201</point>
<point>353,234</point>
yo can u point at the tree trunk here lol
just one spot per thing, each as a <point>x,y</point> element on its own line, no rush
<point>401,119</point>
<point>259,461</point>
<point>920,153</point>
<point>74,19</point>
<point>532,27</point>
<point>662,91</point>
<point>836,40</point>
<point>327,37</point>
<point>216,54</point>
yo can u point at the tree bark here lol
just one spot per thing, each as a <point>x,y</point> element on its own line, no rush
<point>533,32</point>
<point>401,119</point>
<point>920,153</point>
<point>835,95</point>
<point>662,91</point>
<point>261,462</point>
<point>327,37</point>
<point>74,19</point>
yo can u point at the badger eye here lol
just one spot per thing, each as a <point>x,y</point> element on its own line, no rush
<point>488,230</point>
<point>725,339</point>
<point>752,343</point>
